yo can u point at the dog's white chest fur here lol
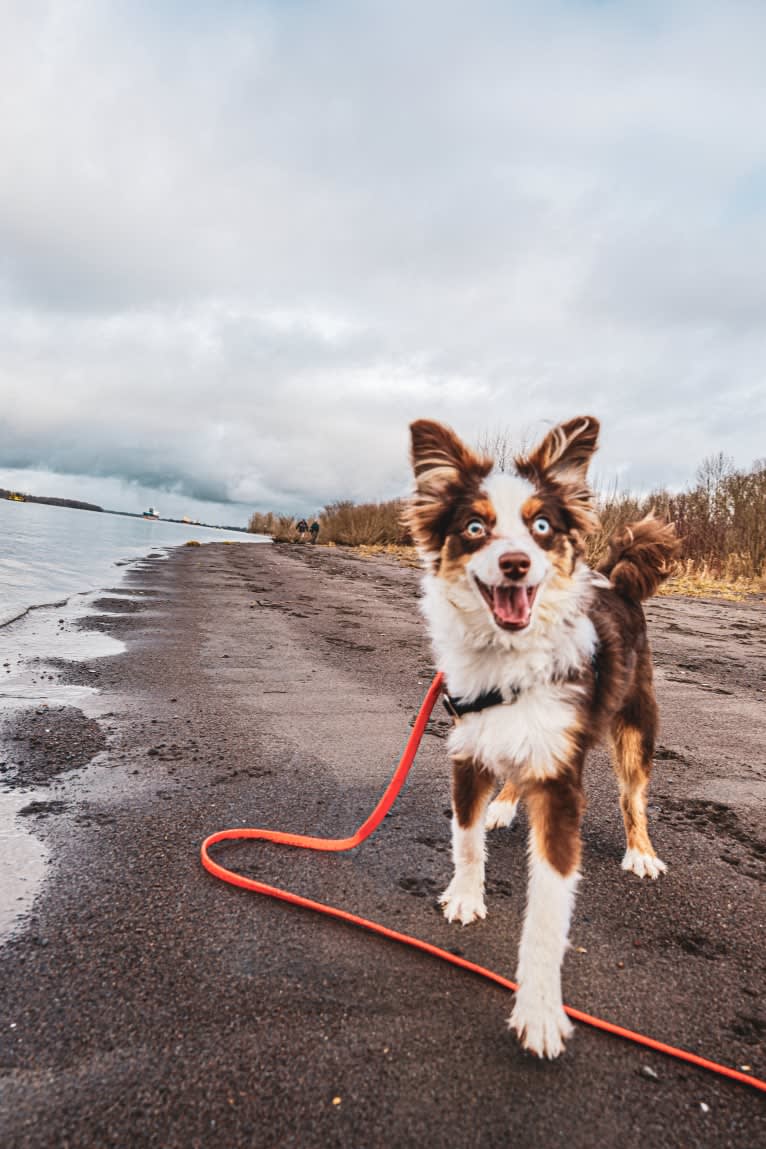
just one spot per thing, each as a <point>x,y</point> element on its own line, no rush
<point>530,733</point>
<point>527,738</point>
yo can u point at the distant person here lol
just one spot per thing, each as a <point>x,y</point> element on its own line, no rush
<point>301,528</point>
<point>314,531</point>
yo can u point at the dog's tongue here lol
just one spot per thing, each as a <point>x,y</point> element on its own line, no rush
<point>511,605</point>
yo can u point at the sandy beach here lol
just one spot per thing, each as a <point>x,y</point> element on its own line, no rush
<point>146,1004</point>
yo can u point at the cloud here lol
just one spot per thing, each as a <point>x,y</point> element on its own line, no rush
<point>243,245</point>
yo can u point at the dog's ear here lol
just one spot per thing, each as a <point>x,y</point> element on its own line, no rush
<point>564,453</point>
<point>444,469</point>
<point>563,457</point>
<point>440,460</point>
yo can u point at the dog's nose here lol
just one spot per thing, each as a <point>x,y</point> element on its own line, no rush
<point>514,564</point>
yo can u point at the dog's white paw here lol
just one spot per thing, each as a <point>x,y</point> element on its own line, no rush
<point>463,901</point>
<point>643,865</point>
<point>500,814</point>
<point>541,1027</point>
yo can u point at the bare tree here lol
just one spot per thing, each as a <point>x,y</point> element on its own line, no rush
<point>501,446</point>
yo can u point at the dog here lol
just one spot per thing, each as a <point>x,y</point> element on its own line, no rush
<point>543,657</point>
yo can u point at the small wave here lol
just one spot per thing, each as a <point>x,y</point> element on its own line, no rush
<point>14,615</point>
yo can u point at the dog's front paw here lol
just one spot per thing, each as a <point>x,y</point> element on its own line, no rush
<point>500,814</point>
<point>643,865</point>
<point>463,901</point>
<point>541,1027</point>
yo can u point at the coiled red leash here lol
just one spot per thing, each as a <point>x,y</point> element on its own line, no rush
<point>365,830</point>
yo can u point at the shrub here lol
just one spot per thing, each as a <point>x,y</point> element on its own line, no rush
<point>350,524</point>
<point>281,528</point>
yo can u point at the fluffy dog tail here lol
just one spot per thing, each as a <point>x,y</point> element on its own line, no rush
<point>640,556</point>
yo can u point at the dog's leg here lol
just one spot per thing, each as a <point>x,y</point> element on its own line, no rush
<point>463,900</point>
<point>502,810</point>
<point>633,735</point>
<point>538,1016</point>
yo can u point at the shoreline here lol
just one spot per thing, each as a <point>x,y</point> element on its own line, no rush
<point>54,553</point>
<point>146,1004</point>
<point>31,696</point>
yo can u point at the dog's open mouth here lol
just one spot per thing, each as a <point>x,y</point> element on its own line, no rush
<point>511,605</point>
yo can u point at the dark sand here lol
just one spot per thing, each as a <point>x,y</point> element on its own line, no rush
<point>145,1003</point>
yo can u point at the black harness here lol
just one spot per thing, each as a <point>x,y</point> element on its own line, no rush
<point>457,707</point>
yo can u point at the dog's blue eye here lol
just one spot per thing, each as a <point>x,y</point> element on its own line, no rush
<point>541,526</point>
<point>476,529</point>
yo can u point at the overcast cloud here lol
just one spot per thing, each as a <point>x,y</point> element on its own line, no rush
<point>242,244</point>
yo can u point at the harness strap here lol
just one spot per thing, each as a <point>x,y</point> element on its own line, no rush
<point>457,707</point>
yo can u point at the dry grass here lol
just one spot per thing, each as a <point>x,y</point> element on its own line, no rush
<point>280,528</point>
<point>356,524</point>
<point>406,555</point>
<point>344,523</point>
<point>701,582</point>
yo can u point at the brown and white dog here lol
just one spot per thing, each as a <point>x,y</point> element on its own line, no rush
<point>542,657</point>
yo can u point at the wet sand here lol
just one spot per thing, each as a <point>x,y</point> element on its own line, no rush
<point>146,1004</point>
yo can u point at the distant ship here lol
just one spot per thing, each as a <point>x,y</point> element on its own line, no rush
<point>152,513</point>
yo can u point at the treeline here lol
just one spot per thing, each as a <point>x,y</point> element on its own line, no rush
<point>16,497</point>
<point>721,520</point>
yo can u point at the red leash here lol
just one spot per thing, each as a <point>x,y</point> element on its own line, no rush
<point>364,831</point>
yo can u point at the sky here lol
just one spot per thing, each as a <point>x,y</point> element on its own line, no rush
<point>243,244</point>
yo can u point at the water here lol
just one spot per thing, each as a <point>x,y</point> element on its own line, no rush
<point>54,561</point>
<point>48,553</point>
